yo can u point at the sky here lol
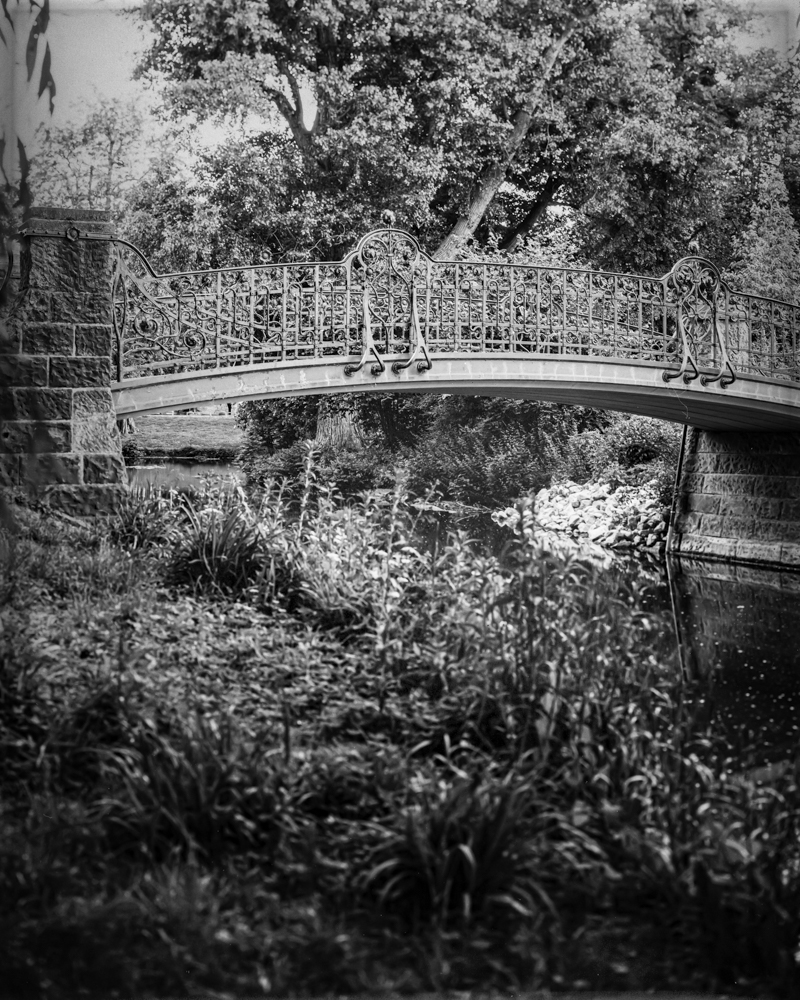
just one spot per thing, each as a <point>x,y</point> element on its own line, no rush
<point>95,46</point>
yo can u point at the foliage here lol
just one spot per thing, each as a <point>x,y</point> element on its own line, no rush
<point>473,449</point>
<point>426,766</point>
<point>271,425</point>
<point>463,851</point>
<point>17,186</point>
<point>90,163</point>
<point>630,450</point>
<point>766,257</point>
<point>491,450</point>
<point>144,518</point>
<point>634,119</point>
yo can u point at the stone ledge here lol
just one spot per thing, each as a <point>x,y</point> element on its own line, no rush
<point>700,545</point>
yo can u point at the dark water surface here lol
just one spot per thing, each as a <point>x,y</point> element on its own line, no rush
<point>179,475</point>
<point>734,628</point>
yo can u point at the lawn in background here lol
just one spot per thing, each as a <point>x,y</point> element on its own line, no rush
<point>192,436</point>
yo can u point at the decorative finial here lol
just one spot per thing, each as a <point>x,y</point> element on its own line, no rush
<point>388,217</point>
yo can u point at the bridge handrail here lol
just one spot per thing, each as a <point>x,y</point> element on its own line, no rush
<point>352,254</point>
<point>387,298</point>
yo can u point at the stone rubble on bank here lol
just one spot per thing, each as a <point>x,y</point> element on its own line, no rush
<point>628,517</point>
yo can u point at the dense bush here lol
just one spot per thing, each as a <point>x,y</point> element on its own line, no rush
<point>629,450</point>
<point>422,767</point>
<point>476,450</point>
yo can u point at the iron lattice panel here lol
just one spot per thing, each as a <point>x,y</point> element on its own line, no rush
<point>391,300</point>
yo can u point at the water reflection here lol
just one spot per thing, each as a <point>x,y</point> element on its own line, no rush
<point>738,630</point>
<point>182,475</point>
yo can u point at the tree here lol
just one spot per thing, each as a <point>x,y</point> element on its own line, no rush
<point>766,257</point>
<point>415,106</point>
<point>469,120</point>
<point>91,162</point>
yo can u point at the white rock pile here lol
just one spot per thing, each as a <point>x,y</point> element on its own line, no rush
<point>625,518</point>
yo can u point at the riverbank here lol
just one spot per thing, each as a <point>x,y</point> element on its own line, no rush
<point>190,438</point>
<point>251,752</point>
<point>624,518</point>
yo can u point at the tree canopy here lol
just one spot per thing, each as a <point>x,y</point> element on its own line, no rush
<point>92,162</point>
<point>469,120</point>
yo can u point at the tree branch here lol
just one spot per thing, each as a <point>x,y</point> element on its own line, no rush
<point>532,216</point>
<point>292,115</point>
<point>495,173</point>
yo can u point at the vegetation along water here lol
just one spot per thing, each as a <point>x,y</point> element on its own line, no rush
<point>273,740</point>
<point>286,739</point>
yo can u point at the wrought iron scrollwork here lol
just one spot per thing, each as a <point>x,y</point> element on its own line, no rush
<point>370,349</point>
<point>420,348</point>
<point>695,291</point>
<point>389,305</point>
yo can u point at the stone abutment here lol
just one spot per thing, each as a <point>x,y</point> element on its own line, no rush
<point>57,423</point>
<point>738,498</point>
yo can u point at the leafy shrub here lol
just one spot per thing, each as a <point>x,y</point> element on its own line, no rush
<point>132,450</point>
<point>464,850</point>
<point>624,452</point>
<point>23,724</point>
<point>219,551</point>
<point>197,790</point>
<point>145,518</point>
<point>473,469</point>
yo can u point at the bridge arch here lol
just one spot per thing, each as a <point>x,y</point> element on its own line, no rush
<point>684,347</point>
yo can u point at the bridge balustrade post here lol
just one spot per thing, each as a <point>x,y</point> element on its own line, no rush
<point>58,429</point>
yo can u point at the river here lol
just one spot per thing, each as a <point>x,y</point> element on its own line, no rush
<point>735,628</point>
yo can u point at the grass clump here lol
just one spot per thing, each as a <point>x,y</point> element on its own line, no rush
<point>293,748</point>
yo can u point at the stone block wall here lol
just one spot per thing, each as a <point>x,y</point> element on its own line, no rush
<point>738,497</point>
<point>57,423</point>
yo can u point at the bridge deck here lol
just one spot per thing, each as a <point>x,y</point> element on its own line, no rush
<point>684,347</point>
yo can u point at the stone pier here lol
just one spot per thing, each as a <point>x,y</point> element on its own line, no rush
<point>58,430</point>
<point>738,498</point>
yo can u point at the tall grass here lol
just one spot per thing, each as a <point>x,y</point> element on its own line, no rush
<point>450,769</point>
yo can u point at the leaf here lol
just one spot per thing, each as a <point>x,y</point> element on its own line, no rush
<point>8,18</point>
<point>24,199</point>
<point>46,81</point>
<point>38,29</point>
<point>2,158</point>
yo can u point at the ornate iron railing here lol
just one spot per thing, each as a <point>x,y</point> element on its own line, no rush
<point>389,304</point>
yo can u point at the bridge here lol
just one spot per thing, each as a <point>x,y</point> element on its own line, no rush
<point>684,347</point>
<point>96,334</point>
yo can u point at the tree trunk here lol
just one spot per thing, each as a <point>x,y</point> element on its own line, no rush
<point>537,210</point>
<point>494,174</point>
